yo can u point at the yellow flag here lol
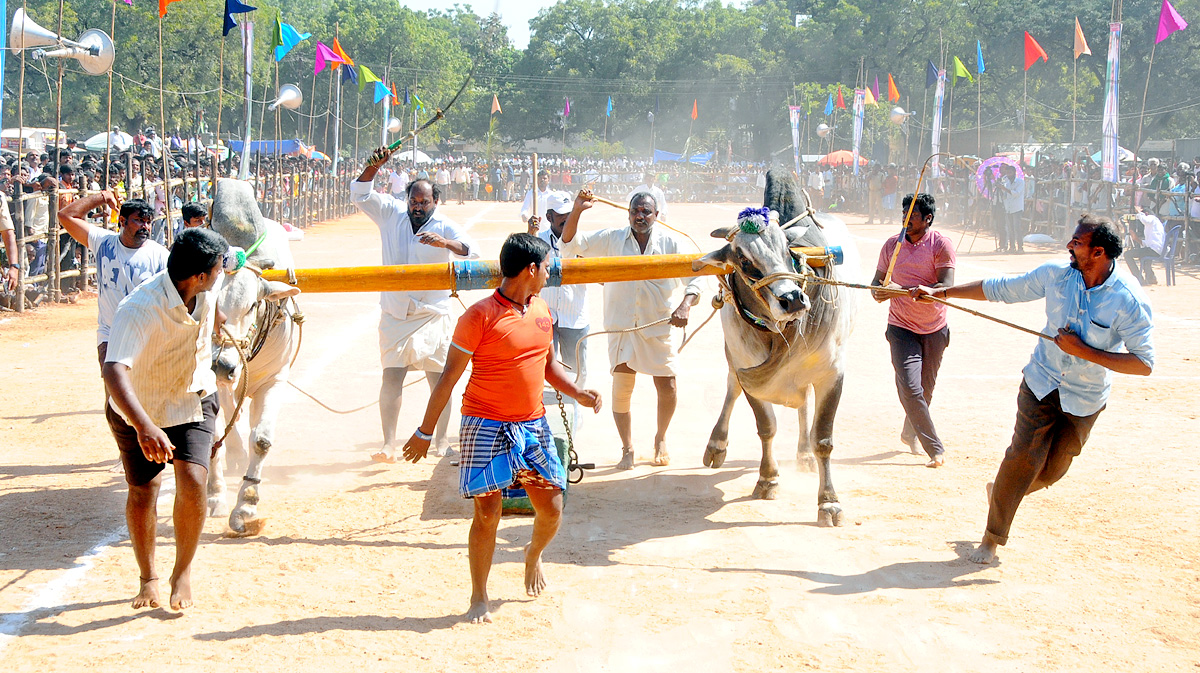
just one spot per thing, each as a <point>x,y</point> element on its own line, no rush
<point>1081,45</point>
<point>870,99</point>
<point>960,70</point>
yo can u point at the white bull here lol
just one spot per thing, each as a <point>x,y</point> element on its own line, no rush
<point>781,339</point>
<point>262,319</point>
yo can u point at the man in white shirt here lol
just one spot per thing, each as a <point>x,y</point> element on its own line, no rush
<point>636,304</point>
<point>1148,243</point>
<point>441,178</point>
<point>163,408</point>
<point>1012,190</point>
<point>649,186</point>
<point>568,303</point>
<point>398,182</point>
<point>543,187</point>
<point>415,327</point>
<point>124,258</point>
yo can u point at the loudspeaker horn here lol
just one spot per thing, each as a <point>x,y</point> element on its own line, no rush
<point>94,49</point>
<point>823,129</point>
<point>289,97</point>
<point>393,125</point>
<point>898,116</point>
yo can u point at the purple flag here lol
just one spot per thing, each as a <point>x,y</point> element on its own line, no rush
<point>567,108</point>
<point>1169,21</point>
<point>324,54</point>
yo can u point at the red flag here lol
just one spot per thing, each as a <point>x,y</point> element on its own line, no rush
<point>893,92</point>
<point>695,111</point>
<point>341,53</point>
<point>1033,51</point>
<point>841,102</point>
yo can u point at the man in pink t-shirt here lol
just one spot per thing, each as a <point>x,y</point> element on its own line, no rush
<point>917,331</point>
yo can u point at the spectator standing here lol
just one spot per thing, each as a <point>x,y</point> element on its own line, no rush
<point>1012,191</point>
<point>543,187</point>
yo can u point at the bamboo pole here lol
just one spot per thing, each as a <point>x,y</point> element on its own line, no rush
<point>486,274</point>
<point>1137,149</point>
<point>168,229</point>
<point>53,264</point>
<point>112,32</point>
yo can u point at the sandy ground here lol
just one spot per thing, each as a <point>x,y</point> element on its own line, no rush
<point>675,568</point>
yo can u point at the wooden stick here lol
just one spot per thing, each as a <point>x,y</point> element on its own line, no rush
<point>614,204</point>
<point>887,278</point>
<point>418,277</point>
<point>534,208</point>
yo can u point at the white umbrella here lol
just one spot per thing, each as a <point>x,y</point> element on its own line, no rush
<point>121,141</point>
<point>1122,155</point>
<point>407,155</point>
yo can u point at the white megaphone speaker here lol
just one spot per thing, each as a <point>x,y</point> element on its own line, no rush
<point>94,50</point>
<point>824,129</point>
<point>289,97</point>
<point>393,125</point>
<point>898,116</point>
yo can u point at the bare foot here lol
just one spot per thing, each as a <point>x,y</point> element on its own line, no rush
<point>936,462</point>
<point>387,454</point>
<point>626,459</point>
<point>181,591</point>
<point>535,581</point>
<point>661,457</point>
<point>442,448</point>
<point>148,596</point>
<point>985,553</point>
<point>914,446</point>
<point>479,614</point>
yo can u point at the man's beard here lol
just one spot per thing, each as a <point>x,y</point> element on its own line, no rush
<point>419,219</point>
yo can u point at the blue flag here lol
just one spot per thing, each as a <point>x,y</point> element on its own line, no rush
<point>978,58</point>
<point>608,112</point>
<point>829,106</point>
<point>381,91</point>
<point>931,73</point>
<point>407,100</point>
<point>350,75</point>
<point>234,7</point>
<point>288,38</point>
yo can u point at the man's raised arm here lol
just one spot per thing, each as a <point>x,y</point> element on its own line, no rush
<point>71,217</point>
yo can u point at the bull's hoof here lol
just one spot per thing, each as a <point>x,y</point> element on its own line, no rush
<point>714,455</point>
<point>249,528</point>
<point>806,461</point>
<point>766,490</point>
<point>217,506</point>
<point>829,514</point>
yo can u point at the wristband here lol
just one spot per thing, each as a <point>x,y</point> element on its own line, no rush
<point>422,435</point>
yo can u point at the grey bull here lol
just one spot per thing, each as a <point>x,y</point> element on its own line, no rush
<point>261,321</point>
<point>785,339</point>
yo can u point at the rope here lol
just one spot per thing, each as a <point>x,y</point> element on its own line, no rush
<point>245,382</point>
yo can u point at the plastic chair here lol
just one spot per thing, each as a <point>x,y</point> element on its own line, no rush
<point>1168,256</point>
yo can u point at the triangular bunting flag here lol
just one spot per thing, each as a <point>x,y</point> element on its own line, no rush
<point>567,108</point>
<point>416,102</point>
<point>324,54</point>
<point>234,7</point>
<point>829,106</point>
<point>395,98</point>
<point>870,98</point>
<point>1034,51</point>
<point>874,92</point>
<point>350,75</point>
<point>162,6</point>
<point>381,91</point>
<point>286,38</point>
<point>893,92</point>
<point>931,74</point>
<point>608,112</point>
<point>841,102</point>
<point>979,69</point>
<point>960,70</point>
<point>365,77</point>
<point>1169,21</point>
<point>496,105</point>
<point>407,98</point>
<point>695,109</point>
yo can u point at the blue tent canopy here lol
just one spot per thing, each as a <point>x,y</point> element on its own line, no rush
<point>293,146</point>
<point>663,155</point>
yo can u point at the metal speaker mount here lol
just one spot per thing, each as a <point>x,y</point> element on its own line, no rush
<point>94,49</point>
<point>289,97</point>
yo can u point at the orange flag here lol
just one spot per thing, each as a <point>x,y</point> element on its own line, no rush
<point>893,92</point>
<point>496,105</point>
<point>395,98</point>
<point>841,102</point>
<point>337,49</point>
<point>162,6</point>
<point>695,110</point>
<point>1081,45</point>
<point>1033,51</point>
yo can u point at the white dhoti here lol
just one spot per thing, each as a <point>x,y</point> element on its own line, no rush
<point>420,341</point>
<point>650,351</point>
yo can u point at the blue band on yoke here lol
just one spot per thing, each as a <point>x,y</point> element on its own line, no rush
<point>555,279</point>
<point>476,275</point>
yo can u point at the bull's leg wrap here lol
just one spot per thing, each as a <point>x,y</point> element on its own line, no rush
<point>829,512</point>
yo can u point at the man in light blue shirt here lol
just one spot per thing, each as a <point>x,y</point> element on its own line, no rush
<point>1101,322</point>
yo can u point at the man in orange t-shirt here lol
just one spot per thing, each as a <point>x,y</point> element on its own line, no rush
<point>505,438</point>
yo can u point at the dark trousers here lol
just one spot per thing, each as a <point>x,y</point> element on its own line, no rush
<point>1141,268</point>
<point>1045,441</point>
<point>916,359</point>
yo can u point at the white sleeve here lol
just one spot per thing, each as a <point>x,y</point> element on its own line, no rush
<point>96,236</point>
<point>376,206</point>
<point>527,205</point>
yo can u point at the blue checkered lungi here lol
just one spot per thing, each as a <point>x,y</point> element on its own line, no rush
<point>497,454</point>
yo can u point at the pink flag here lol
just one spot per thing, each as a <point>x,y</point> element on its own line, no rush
<point>567,108</point>
<point>324,54</point>
<point>1169,21</point>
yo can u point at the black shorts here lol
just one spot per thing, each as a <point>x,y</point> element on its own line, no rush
<point>193,442</point>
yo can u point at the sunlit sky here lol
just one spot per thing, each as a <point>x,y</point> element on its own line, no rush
<point>515,13</point>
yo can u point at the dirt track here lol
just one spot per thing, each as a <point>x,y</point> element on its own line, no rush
<point>364,565</point>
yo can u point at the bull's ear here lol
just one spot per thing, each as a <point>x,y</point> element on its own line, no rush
<point>717,258</point>
<point>723,232</point>
<point>273,290</point>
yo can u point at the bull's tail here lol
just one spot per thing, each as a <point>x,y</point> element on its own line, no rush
<point>783,194</point>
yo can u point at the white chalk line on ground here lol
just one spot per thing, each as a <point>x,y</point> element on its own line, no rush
<point>54,593</point>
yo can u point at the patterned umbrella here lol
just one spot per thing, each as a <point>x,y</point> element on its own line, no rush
<point>993,164</point>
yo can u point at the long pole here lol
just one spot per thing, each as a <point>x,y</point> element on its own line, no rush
<point>19,209</point>
<point>979,115</point>
<point>248,64</point>
<point>53,265</point>
<point>950,118</point>
<point>1074,96</point>
<point>337,123</point>
<point>1024,115</point>
<point>166,144</point>
<point>112,31</point>
<point>1137,149</point>
<point>214,160</point>
<point>924,112</point>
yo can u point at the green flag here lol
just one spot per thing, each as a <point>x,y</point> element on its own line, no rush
<point>365,77</point>
<point>277,34</point>
<point>960,70</point>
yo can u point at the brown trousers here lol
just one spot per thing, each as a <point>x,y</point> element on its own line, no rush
<point>1044,442</point>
